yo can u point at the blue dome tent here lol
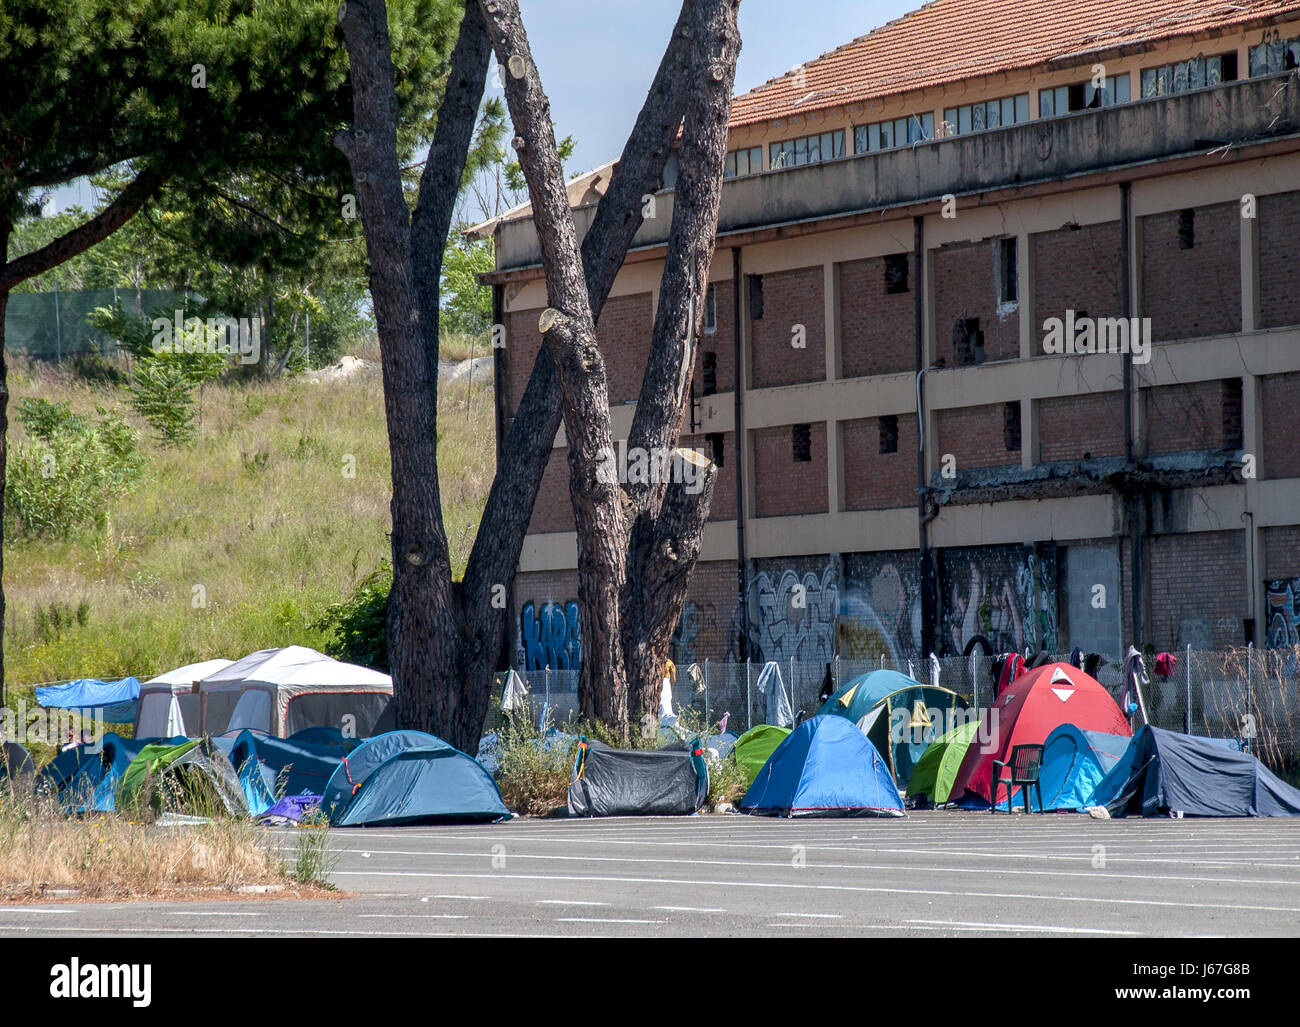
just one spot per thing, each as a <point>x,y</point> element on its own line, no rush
<point>1074,762</point>
<point>825,767</point>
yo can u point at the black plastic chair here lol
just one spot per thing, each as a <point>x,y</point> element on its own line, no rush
<point>1025,763</point>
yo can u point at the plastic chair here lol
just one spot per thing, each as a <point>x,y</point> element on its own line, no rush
<point>1024,765</point>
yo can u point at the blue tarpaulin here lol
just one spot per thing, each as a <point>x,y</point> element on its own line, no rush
<point>117,699</point>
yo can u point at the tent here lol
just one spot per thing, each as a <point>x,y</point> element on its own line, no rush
<point>406,776</point>
<point>116,700</point>
<point>1029,710</point>
<point>169,703</point>
<point>271,767</point>
<point>1074,761</point>
<point>826,767</point>
<point>936,770</point>
<point>1165,771</point>
<point>192,777</point>
<point>86,778</point>
<point>900,715</point>
<point>625,782</point>
<point>754,747</point>
<point>283,691</point>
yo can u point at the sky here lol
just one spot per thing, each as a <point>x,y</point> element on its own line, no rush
<point>598,57</point>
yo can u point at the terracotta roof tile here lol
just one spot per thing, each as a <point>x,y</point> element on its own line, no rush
<point>949,40</point>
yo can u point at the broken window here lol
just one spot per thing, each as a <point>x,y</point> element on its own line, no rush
<point>896,273</point>
<point>889,433</point>
<point>716,449</point>
<point>1008,271</point>
<point>806,150</point>
<point>968,341</point>
<point>1186,229</point>
<point>709,371</point>
<point>1231,406</point>
<point>1193,73</point>
<point>1011,425</point>
<point>886,135</point>
<point>756,297</point>
<point>801,443</point>
<point>1080,96</point>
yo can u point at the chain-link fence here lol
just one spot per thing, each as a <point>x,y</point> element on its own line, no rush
<point>1249,694</point>
<point>53,325</point>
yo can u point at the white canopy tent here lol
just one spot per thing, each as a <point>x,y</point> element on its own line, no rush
<point>283,691</point>
<point>169,703</point>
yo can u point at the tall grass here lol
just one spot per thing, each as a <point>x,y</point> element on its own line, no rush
<point>238,541</point>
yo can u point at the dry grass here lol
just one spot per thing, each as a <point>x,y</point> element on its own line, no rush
<point>106,856</point>
<point>240,541</point>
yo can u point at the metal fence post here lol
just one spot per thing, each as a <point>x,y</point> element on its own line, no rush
<point>835,673</point>
<point>793,700</point>
<point>1187,715</point>
<point>1250,683</point>
<point>749,699</point>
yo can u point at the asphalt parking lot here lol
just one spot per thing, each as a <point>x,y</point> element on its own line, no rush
<point>938,873</point>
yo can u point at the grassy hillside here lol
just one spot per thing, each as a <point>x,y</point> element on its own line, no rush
<point>257,520</point>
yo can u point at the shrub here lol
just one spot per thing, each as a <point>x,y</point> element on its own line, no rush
<point>532,767</point>
<point>357,627</point>
<point>64,478</point>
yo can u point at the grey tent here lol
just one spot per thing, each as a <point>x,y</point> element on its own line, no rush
<point>1164,772</point>
<point>624,782</point>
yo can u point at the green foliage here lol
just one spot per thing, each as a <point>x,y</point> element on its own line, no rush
<point>466,302</point>
<point>63,479</point>
<point>533,775</point>
<point>312,859</point>
<point>162,393</point>
<point>54,618</point>
<point>357,627</point>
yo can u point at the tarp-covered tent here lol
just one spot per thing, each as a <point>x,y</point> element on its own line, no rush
<point>1074,761</point>
<point>936,770</point>
<point>193,777</point>
<point>403,777</point>
<point>169,703</point>
<point>900,715</point>
<point>826,767</point>
<point>1029,710</point>
<point>86,778</point>
<point>116,700</point>
<point>1164,771</point>
<point>283,691</point>
<point>754,747</point>
<point>624,782</point>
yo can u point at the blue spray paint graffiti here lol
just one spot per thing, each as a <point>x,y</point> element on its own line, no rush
<point>550,636</point>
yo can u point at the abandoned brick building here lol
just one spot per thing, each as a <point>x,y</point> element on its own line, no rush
<point>903,230</point>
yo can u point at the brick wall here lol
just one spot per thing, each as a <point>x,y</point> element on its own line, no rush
<point>1183,417</point>
<point>723,507</point>
<point>1079,427</point>
<point>875,480</point>
<point>1076,270</point>
<point>1280,394</point>
<point>965,287</point>
<point>974,435</point>
<point>703,631</point>
<point>1196,589</point>
<point>877,334</point>
<point>1190,293</point>
<point>553,510</point>
<point>783,486</point>
<point>523,340</point>
<point>1281,556</point>
<point>624,332</point>
<point>790,298</point>
<point>721,341</point>
<point>1279,256</point>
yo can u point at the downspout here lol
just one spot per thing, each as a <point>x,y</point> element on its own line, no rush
<point>922,518</point>
<point>738,392</point>
<point>1135,502</point>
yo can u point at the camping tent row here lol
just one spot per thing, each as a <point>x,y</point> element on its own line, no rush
<point>1091,758</point>
<point>278,691</point>
<point>393,778</point>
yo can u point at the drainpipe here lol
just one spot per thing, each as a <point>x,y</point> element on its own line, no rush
<point>922,517</point>
<point>738,392</point>
<point>1133,501</point>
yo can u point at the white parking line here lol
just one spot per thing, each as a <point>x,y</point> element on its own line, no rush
<point>411,916</point>
<point>466,898</point>
<point>1034,928</point>
<point>685,909</point>
<point>33,909</point>
<point>569,902</point>
<point>207,912</point>
<point>601,920</point>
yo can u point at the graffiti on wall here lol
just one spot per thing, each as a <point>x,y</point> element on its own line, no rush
<point>880,608</point>
<point>1004,595</point>
<point>549,636</point>
<point>1282,599</point>
<point>791,616</point>
<point>695,628</point>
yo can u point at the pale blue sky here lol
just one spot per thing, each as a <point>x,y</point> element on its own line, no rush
<point>597,58</point>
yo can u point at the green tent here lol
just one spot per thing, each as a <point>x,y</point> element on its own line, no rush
<point>755,746</point>
<point>936,770</point>
<point>192,777</point>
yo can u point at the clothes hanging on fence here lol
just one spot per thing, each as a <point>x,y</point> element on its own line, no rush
<point>1132,675</point>
<point>1166,664</point>
<point>779,711</point>
<point>514,693</point>
<point>1013,665</point>
<point>1076,657</point>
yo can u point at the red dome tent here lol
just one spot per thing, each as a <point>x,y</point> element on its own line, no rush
<point>1027,712</point>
